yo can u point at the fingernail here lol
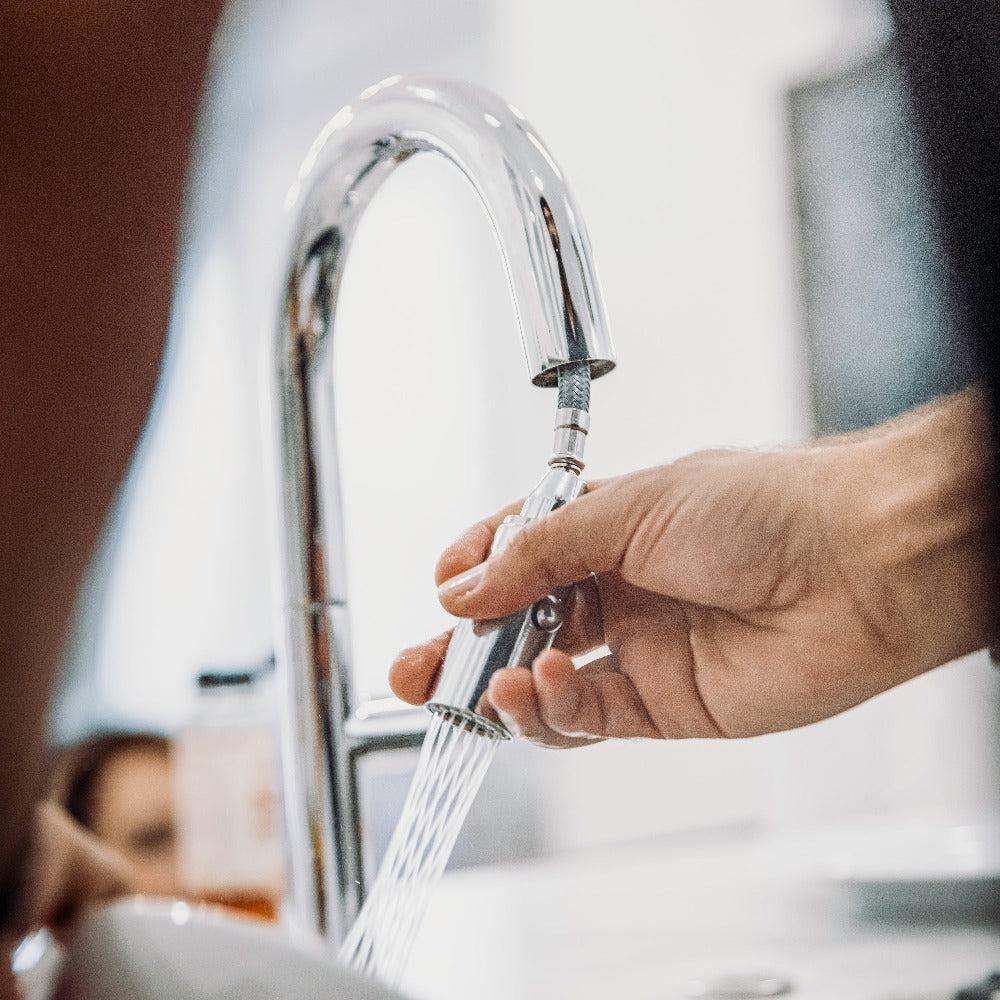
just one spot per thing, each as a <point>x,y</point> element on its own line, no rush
<point>508,720</point>
<point>459,586</point>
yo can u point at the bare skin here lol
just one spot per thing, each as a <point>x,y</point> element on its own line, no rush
<point>134,815</point>
<point>66,869</point>
<point>742,593</point>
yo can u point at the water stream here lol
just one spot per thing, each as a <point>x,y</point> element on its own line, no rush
<point>453,761</point>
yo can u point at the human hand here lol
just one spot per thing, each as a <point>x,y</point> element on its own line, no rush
<point>739,592</point>
<point>66,869</point>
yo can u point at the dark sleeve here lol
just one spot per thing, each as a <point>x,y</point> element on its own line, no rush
<point>950,51</point>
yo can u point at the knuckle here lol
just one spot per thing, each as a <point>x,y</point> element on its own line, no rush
<point>522,550</point>
<point>538,555</point>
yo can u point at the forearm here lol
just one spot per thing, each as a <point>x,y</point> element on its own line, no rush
<point>917,511</point>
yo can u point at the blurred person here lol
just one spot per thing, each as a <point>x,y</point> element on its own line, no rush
<point>123,788</point>
<point>64,869</point>
<point>120,787</point>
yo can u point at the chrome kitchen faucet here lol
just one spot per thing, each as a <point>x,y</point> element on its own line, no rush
<point>561,316</point>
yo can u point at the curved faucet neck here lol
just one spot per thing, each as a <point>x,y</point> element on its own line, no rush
<point>545,247</point>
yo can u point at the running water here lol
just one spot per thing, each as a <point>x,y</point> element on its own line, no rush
<point>455,757</point>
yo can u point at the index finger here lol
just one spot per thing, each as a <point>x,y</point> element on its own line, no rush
<point>472,546</point>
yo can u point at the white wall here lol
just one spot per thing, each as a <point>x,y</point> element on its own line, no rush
<point>667,118</point>
<point>191,585</point>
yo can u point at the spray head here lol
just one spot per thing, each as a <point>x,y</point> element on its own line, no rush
<point>478,649</point>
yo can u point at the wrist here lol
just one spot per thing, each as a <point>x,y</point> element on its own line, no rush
<point>916,503</point>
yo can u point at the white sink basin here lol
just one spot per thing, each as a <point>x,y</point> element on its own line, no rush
<point>164,950</point>
<point>647,922</point>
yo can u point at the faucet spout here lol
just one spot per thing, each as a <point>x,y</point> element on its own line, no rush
<point>564,333</point>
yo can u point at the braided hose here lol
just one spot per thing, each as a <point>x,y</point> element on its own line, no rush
<point>574,386</point>
<point>572,416</point>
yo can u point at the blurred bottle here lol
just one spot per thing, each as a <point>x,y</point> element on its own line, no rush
<point>228,816</point>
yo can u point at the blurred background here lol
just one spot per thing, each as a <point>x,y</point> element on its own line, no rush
<point>759,222</point>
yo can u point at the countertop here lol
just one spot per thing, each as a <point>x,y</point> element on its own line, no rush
<point>641,922</point>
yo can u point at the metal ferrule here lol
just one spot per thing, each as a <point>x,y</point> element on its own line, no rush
<point>570,438</point>
<point>478,649</point>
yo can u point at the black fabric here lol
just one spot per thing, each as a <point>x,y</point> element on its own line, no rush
<point>950,51</point>
<point>12,892</point>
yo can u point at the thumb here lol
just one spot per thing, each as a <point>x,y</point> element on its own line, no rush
<point>588,535</point>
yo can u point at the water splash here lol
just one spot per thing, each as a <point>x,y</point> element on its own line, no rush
<point>454,759</point>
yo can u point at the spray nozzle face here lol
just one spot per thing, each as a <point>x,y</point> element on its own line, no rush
<point>470,722</point>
